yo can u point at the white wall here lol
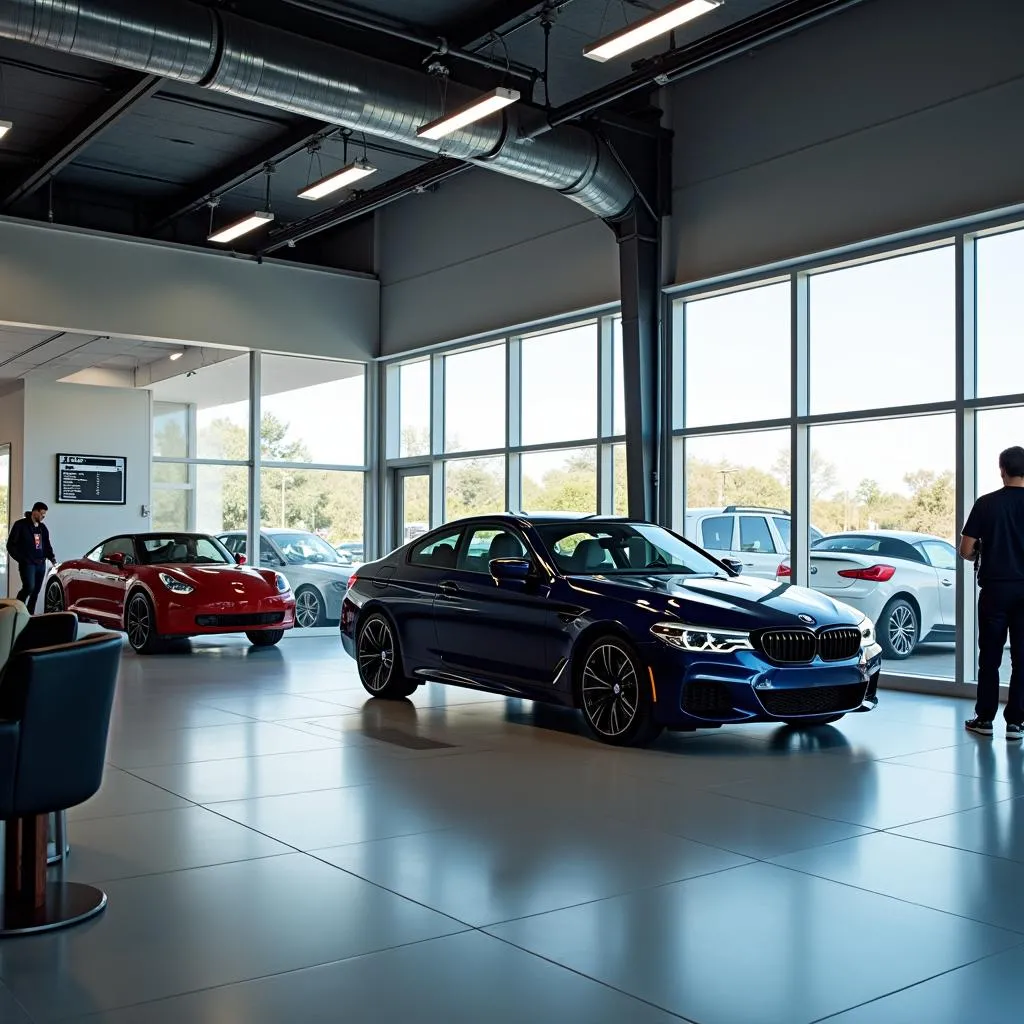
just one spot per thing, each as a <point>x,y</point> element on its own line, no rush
<point>93,283</point>
<point>894,115</point>
<point>12,432</point>
<point>88,420</point>
<point>486,252</point>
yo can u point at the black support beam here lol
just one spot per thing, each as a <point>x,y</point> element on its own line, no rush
<point>491,17</point>
<point>292,141</point>
<point>417,180</point>
<point>128,91</point>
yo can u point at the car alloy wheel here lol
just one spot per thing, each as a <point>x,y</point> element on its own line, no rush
<point>376,654</point>
<point>54,600</point>
<point>610,690</point>
<point>901,630</point>
<point>139,623</point>
<point>307,609</point>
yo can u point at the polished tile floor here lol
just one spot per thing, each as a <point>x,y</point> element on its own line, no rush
<point>277,848</point>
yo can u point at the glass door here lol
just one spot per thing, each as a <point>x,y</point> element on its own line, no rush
<point>5,513</point>
<point>412,504</point>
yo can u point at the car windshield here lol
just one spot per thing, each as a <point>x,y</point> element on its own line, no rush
<point>182,549</point>
<point>300,548</point>
<point>603,549</point>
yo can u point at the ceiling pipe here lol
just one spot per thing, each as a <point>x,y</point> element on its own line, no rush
<point>226,53</point>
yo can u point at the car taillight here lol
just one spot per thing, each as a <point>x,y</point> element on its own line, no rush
<point>784,571</point>
<point>873,574</point>
<point>352,581</point>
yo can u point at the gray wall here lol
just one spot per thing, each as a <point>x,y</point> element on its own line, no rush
<point>894,115</point>
<point>486,252</point>
<point>99,284</point>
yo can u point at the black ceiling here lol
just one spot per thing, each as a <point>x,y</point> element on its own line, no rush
<point>98,147</point>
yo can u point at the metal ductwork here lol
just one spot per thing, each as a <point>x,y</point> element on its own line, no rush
<point>221,51</point>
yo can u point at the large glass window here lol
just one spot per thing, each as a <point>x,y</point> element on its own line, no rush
<point>324,503</point>
<point>414,408</point>
<point>222,498</point>
<point>170,430</point>
<point>1000,306</point>
<point>312,410</point>
<point>219,393</point>
<point>474,487</point>
<point>738,356</point>
<point>884,333</point>
<point>559,386</point>
<point>560,481</point>
<point>884,493</point>
<point>474,400</point>
<point>618,381</point>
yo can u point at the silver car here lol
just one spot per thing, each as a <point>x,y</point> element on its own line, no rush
<point>314,569</point>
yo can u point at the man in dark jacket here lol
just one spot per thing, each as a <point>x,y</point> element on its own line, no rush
<point>29,546</point>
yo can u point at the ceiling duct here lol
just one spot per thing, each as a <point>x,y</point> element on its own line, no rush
<point>221,51</point>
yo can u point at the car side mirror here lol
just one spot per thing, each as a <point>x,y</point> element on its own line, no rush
<point>507,570</point>
<point>733,565</point>
<point>240,559</point>
<point>115,558</point>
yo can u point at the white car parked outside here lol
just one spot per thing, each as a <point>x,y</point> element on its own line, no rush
<point>754,536</point>
<point>904,582</point>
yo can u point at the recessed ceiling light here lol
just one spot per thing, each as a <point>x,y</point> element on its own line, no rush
<point>242,227</point>
<point>339,179</point>
<point>175,355</point>
<point>650,28</point>
<point>489,103</point>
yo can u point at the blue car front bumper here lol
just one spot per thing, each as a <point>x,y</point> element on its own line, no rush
<point>694,690</point>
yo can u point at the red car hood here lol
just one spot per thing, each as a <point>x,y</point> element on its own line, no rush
<point>222,581</point>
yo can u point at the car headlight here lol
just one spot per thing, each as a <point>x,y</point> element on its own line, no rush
<point>867,632</point>
<point>174,585</point>
<point>702,641</point>
<point>283,586</point>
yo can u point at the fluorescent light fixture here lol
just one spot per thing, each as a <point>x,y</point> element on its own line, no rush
<point>242,227</point>
<point>648,29</point>
<point>340,179</point>
<point>175,356</point>
<point>489,103</point>
<point>5,127</point>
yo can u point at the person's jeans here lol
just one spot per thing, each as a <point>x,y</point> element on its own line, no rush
<point>1000,612</point>
<point>32,576</point>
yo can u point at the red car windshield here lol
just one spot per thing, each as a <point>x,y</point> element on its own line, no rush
<point>182,549</point>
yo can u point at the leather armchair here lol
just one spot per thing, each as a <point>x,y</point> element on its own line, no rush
<point>55,705</point>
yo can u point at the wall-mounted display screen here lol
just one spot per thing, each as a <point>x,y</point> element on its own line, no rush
<point>91,479</point>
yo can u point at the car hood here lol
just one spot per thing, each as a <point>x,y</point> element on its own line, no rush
<point>216,579</point>
<point>736,602</point>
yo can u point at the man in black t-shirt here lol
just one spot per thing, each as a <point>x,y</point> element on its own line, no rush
<point>993,537</point>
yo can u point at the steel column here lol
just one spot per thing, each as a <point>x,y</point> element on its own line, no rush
<point>639,276</point>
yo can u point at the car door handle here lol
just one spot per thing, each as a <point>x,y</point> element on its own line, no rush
<point>946,583</point>
<point>448,588</point>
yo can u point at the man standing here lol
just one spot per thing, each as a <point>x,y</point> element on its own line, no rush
<point>993,536</point>
<point>29,546</point>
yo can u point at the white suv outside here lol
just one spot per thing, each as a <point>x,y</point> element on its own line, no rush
<point>756,537</point>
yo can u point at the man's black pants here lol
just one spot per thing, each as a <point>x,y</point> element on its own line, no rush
<point>1000,612</point>
<point>32,576</point>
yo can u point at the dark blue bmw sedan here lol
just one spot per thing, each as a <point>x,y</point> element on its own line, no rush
<point>638,628</point>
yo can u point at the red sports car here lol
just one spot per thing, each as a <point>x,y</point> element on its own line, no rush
<point>156,586</point>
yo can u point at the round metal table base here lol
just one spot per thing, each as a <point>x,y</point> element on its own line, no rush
<point>66,903</point>
<point>53,857</point>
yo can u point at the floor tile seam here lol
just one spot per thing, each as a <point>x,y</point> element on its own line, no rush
<point>336,734</point>
<point>789,810</point>
<point>946,771</point>
<point>182,870</point>
<point>916,984</point>
<point>949,846</point>
<point>204,760</point>
<point>619,895</point>
<point>263,977</point>
<point>588,977</point>
<point>907,902</point>
<point>951,814</point>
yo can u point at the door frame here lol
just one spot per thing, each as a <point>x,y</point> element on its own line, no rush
<point>398,477</point>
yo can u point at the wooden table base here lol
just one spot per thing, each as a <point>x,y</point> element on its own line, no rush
<point>25,860</point>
